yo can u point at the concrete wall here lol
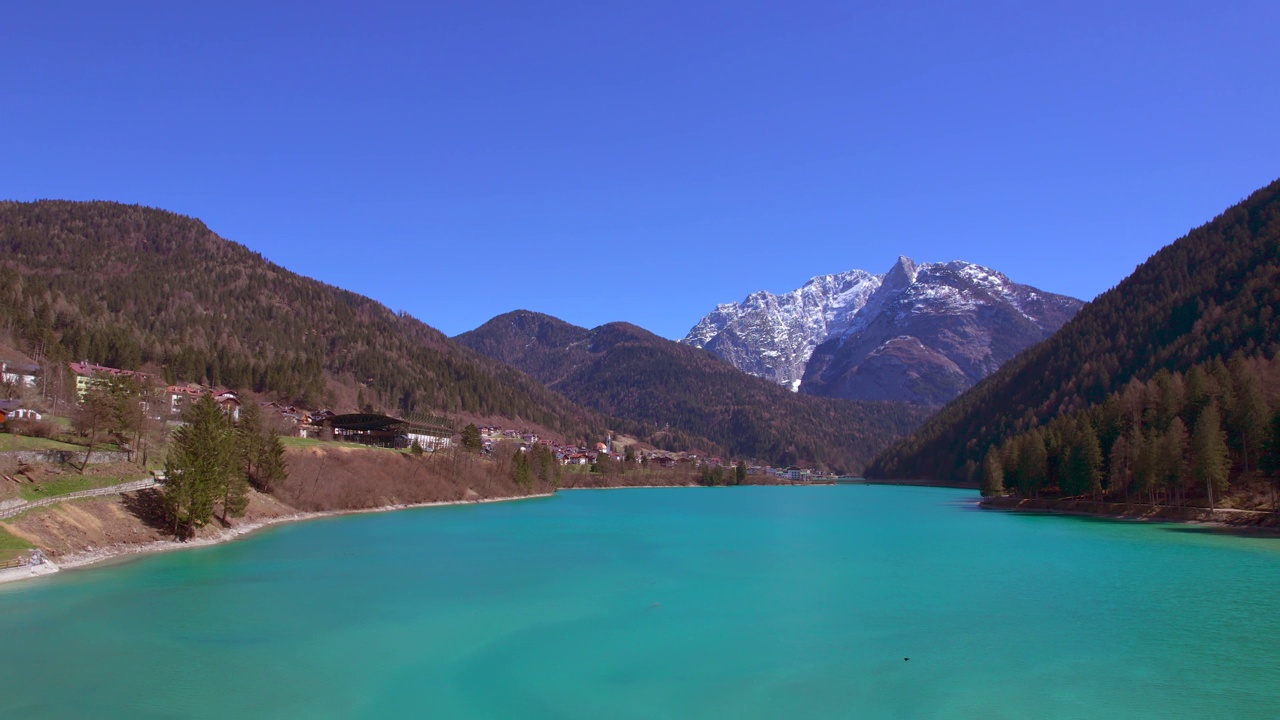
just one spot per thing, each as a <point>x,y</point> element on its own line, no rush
<point>63,456</point>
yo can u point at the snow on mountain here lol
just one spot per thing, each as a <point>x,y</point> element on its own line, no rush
<point>772,336</point>
<point>919,332</point>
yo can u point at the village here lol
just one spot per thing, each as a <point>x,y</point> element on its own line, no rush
<point>30,395</point>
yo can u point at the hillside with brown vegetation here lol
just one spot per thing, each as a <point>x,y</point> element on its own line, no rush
<point>671,392</point>
<point>140,288</point>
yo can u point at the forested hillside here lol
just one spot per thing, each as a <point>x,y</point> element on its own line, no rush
<point>140,288</point>
<point>667,388</point>
<point>1193,328</point>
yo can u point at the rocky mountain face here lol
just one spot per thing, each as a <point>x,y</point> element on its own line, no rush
<point>1209,297</point>
<point>667,389</point>
<point>921,333</point>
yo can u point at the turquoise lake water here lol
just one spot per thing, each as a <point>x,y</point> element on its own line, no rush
<point>680,603</point>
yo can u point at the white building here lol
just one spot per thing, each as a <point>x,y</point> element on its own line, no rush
<point>19,374</point>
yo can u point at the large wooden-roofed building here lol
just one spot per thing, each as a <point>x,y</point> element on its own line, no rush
<point>431,433</point>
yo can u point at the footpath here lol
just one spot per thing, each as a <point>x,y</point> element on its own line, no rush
<point>34,562</point>
<point>10,508</point>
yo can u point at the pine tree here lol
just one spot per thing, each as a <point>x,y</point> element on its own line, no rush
<point>1082,462</point>
<point>1033,464</point>
<point>1145,464</point>
<point>992,474</point>
<point>199,463</point>
<point>249,434</point>
<point>272,467</point>
<point>471,440</point>
<point>1120,463</point>
<point>1209,458</point>
<point>740,473</point>
<point>1089,451</point>
<point>520,469</point>
<point>1249,419</point>
<point>1269,462</point>
<point>235,496</point>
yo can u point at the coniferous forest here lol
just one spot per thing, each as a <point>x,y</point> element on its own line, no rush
<point>140,288</point>
<point>1164,388</point>
<point>145,289</point>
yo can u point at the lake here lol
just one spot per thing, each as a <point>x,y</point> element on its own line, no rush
<point>753,602</point>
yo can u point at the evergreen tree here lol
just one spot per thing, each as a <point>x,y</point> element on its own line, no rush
<point>471,440</point>
<point>992,474</point>
<point>1269,463</point>
<point>1145,464</point>
<point>1120,464</point>
<point>1209,459</point>
<point>249,434</point>
<point>1177,472</point>
<point>1249,418</point>
<point>200,461</point>
<point>1090,457</point>
<point>520,472</point>
<point>235,495</point>
<point>272,467</point>
<point>740,473</point>
<point>1083,459</point>
<point>1033,464</point>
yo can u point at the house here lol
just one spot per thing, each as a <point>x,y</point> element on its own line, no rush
<point>86,372</point>
<point>229,403</point>
<point>180,396</point>
<point>13,410</point>
<point>20,374</point>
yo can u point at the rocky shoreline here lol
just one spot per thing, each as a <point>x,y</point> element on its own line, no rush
<point>1251,521</point>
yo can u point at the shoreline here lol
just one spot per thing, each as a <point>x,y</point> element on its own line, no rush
<point>919,483</point>
<point>1218,520</point>
<point>121,552</point>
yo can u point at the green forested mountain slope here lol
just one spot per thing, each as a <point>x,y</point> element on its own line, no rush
<point>136,287</point>
<point>1210,295</point>
<point>624,371</point>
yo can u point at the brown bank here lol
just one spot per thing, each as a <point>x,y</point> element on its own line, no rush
<point>323,481</point>
<point>1249,520</point>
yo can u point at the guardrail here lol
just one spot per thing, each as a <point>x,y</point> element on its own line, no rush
<point>96,492</point>
<point>28,558</point>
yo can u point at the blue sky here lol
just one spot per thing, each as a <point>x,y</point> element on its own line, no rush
<point>645,161</point>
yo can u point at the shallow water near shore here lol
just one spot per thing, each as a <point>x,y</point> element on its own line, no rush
<point>756,602</point>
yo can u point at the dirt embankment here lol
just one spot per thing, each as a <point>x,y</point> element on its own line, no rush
<point>345,478</point>
<point>1163,513</point>
<point>322,480</point>
<point>109,524</point>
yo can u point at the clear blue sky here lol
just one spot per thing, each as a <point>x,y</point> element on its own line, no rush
<point>644,161</point>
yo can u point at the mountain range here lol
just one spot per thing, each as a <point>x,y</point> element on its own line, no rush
<point>920,333</point>
<point>623,371</point>
<point>142,288</point>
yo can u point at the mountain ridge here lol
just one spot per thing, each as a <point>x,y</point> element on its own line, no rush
<point>1210,294</point>
<point>624,371</point>
<point>138,287</point>
<point>933,324</point>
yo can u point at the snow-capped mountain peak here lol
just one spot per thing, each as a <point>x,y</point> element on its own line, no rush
<point>979,315</point>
